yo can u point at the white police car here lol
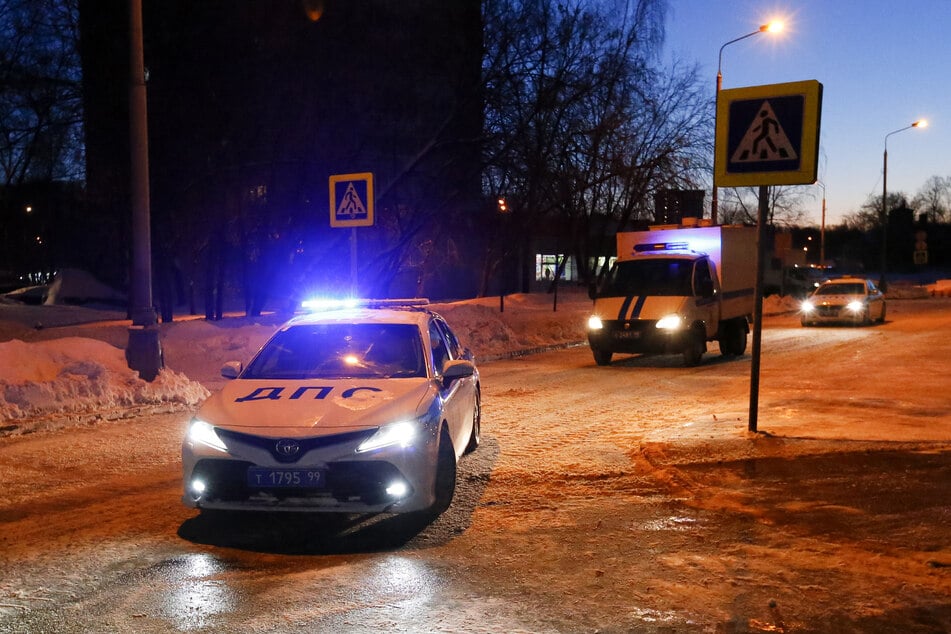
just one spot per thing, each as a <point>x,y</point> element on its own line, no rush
<point>349,410</point>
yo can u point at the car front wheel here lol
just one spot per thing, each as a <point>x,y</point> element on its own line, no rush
<point>475,437</point>
<point>602,357</point>
<point>693,350</point>
<point>445,486</point>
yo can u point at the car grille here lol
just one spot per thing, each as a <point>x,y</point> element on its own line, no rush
<point>828,311</point>
<point>306,444</point>
<point>346,482</point>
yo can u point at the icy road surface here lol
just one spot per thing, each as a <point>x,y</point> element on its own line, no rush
<point>615,499</point>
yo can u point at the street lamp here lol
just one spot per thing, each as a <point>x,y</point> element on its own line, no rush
<point>921,123</point>
<point>822,227</point>
<point>771,27</point>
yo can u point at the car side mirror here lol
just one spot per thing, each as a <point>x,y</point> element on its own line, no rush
<point>456,369</point>
<point>231,369</point>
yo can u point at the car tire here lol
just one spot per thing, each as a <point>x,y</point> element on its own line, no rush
<point>881,318</point>
<point>693,350</point>
<point>602,357</point>
<point>445,481</point>
<point>805,324</point>
<point>476,436</point>
<point>733,343</point>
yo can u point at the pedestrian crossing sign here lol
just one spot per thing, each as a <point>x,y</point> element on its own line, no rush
<point>351,200</point>
<point>768,135</point>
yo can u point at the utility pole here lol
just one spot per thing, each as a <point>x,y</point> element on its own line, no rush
<point>143,352</point>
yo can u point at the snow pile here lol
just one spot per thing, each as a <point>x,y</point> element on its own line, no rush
<point>75,286</point>
<point>521,323</point>
<point>79,378</point>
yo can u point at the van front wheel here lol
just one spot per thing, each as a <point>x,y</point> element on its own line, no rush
<point>693,351</point>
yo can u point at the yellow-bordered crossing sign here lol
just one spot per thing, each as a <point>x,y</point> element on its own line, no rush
<point>351,200</point>
<point>768,135</point>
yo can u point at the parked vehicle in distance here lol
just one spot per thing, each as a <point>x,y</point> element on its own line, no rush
<point>349,410</point>
<point>844,300</point>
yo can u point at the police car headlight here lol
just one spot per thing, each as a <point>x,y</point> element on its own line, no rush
<point>669,322</point>
<point>807,307</point>
<point>202,433</point>
<point>595,323</point>
<point>855,306</point>
<point>402,434</point>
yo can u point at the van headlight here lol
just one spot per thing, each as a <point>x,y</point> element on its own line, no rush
<point>595,323</point>
<point>670,322</point>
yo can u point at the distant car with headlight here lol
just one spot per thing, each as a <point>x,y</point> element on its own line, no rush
<point>363,409</point>
<point>844,300</point>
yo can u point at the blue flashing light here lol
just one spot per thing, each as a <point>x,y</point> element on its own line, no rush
<point>662,246</point>
<point>319,304</point>
<point>327,304</point>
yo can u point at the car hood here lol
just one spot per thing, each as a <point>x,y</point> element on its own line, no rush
<point>639,307</point>
<point>315,407</point>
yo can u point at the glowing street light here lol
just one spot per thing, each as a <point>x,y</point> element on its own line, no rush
<point>921,123</point>
<point>772,27</point>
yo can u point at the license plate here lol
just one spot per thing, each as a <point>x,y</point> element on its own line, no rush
<point>627,334</point>
<point>265,478</point>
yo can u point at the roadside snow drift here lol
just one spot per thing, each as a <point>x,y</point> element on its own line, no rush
<point>82,377</point>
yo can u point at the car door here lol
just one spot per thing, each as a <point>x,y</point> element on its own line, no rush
<point>458,397</point>
<point>705,291</point>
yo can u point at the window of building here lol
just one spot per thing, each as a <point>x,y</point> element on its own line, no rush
<point>546,265</point>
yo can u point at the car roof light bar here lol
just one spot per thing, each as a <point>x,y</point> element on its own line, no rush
<point>662,246</point>
<point>328,304</point>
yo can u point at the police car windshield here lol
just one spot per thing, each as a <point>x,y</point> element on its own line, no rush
<point>650,277</point>
<point>335,351</point>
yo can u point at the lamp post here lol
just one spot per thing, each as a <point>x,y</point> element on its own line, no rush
<point>144,350</point>
<point>771,27</point>
<point>822,227</point>
<point>921,123</point>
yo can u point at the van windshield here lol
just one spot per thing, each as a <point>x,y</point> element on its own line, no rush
<point>649,277</point>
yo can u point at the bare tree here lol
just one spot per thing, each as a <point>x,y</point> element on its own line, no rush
<point>934,199</point>
<point>786,206</point>
<point>40,92</point>
<point>582,125</point>
<point>41,144</point>
<point>869,215</point>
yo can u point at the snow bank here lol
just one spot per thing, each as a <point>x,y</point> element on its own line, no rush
<point>527,322</point>
<point>80,378</point>
<point>79,287</point>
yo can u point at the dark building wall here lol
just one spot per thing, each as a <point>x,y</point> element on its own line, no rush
<point>253,105</point>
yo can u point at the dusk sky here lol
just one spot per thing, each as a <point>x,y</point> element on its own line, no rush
<point>883,64</point>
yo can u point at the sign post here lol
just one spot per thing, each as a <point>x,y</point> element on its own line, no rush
<point>766,135</point>
<point>352,205</point>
